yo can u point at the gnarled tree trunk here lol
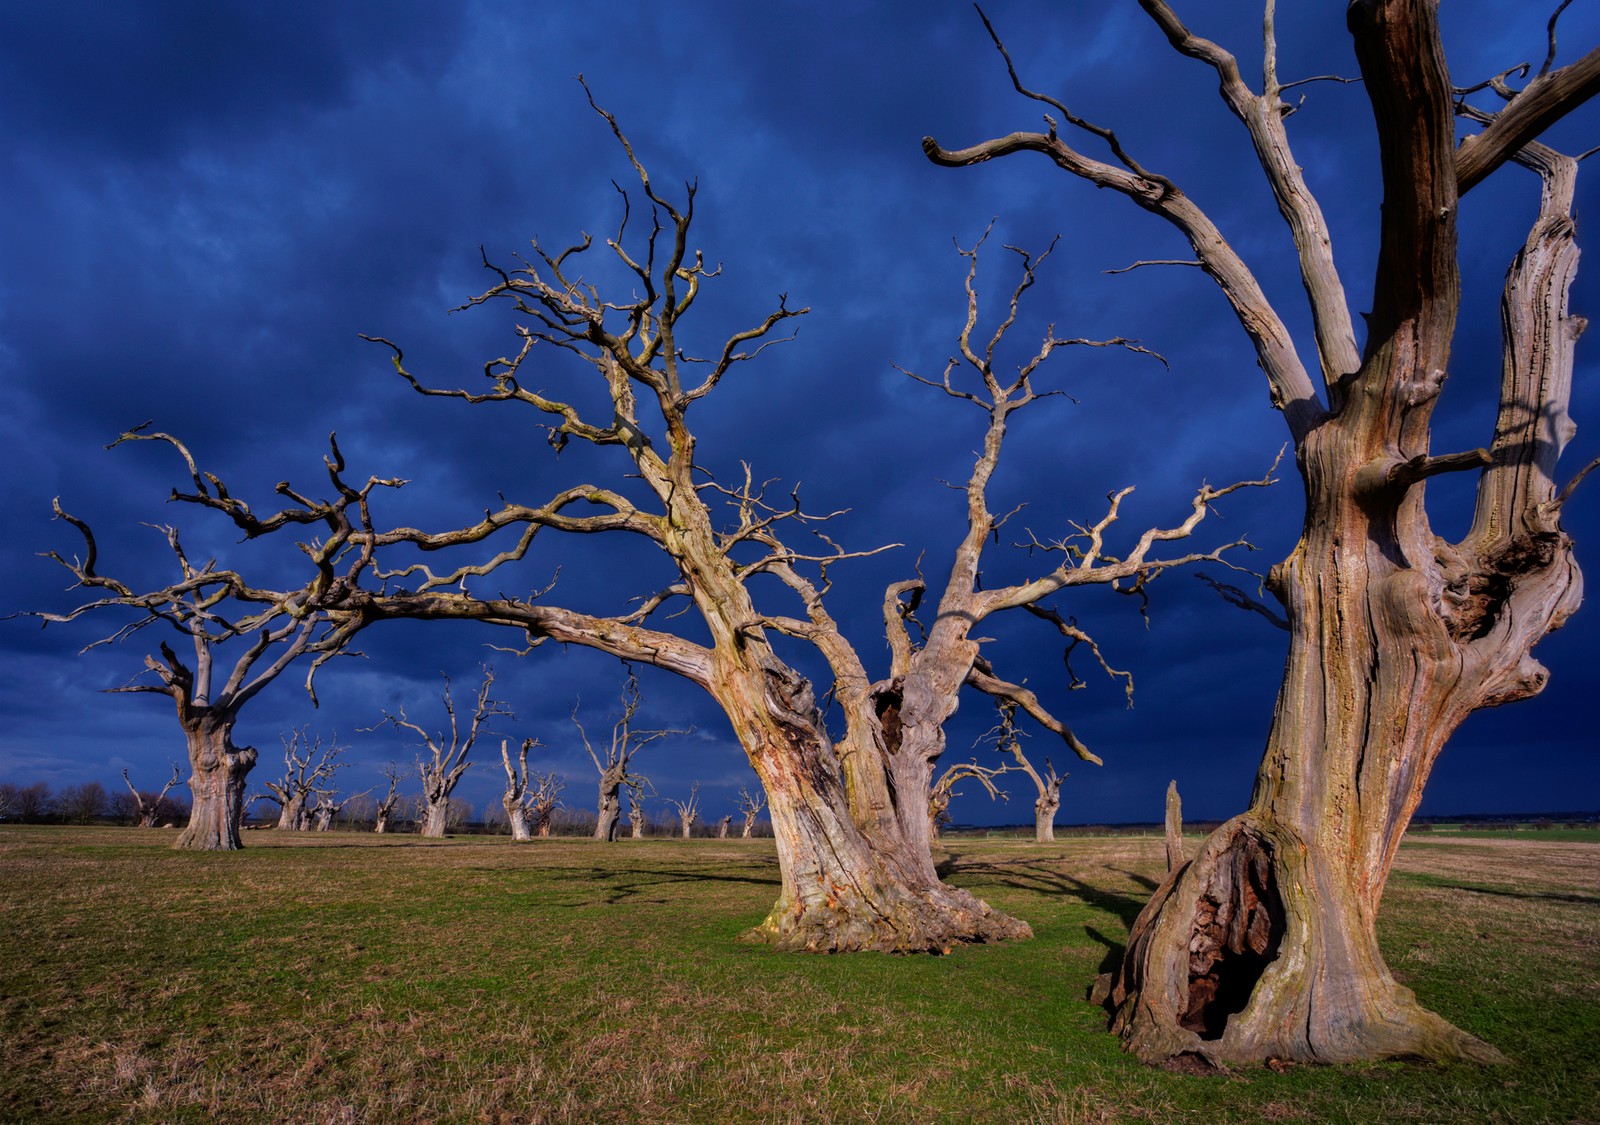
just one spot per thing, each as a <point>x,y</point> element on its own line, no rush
<point>609,811</point>
<point>217,782</point>
<point>1044,815</point>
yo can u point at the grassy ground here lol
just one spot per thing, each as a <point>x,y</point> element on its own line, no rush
<point>345,978</point>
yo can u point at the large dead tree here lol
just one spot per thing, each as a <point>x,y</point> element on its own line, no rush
<point>613,759</point>
<point>850,813</point>
<point>1263,945</point>
<point>448,753</point>
<point>222,616</point>
<point>325,808</point>
<point>308,766</point>
<point>148,806</point>
<point>1008,741</point>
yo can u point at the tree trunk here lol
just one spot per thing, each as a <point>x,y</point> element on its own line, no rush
<point>434,816</point>
<point>1265,946</point>
<point>845,888</point>
<point>749,828</point>
<point>609,813</point>
<point>636,822</point>
<point>217,783</point>
<point>380,823</point>
<point>517,815</point>
<point>1044,818</point>
<point>291,816</point>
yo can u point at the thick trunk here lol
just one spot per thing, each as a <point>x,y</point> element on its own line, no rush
<point>609,814</point>
<point>381,821</point>
<point>217,783</point>
<point>846,886</point>
<point>636,822</point>
<point>544,829</point>
<point>434,817</point>
<point>292,815</point>
<point>749,828</point>
<point>1044,818</point>
<point>1265,945</point>
<point>517,816</point>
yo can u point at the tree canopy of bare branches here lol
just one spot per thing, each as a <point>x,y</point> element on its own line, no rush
<point>1263,945</point>
<point>223,616</point>
<point>850,812</point>
<point>612,760</point>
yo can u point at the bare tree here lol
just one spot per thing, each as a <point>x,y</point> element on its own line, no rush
<point>850,813</point>
<point>385,809</point>
<point>308,766</point>
<point>636,815</point>
<point>544,797</point>
<point>147,806</point>
<point>617,755</point>
<point>1008,741</point>
<point>944,790</point>
<point>447,757</point>
<point>722,827</point>
<point>1264,945</point>
<point>688,810</point>
<point>83,803</point>
<point>516,798</point>
<point>218,611</point>
<point>325,808</point>
<point>750,807</point>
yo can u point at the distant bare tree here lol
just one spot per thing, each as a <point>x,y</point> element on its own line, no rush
<point>446,761</point>
<point>308,767</point>
<point>722,827</point>
<point>637,822</point>
<point>944,789</point>
<point>544,796</point>
<point>147,806</point>
<point>517,797</point>
<point>326,808</point>
<point>1008,740</point>
<point>83,803</point>
<point>751,807</point>
<point>688,810</point>
<point>617,755</point>
<point>384,809</point>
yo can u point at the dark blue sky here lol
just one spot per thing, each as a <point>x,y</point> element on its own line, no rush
<point>206,203</point>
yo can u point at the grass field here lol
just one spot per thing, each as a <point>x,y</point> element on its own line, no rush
<point>357,978</point>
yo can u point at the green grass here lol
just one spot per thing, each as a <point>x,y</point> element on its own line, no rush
<point>345,978</point>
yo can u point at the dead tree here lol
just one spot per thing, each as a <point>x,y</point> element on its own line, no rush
<point>1264,944</point>
<point>544,797</point>
<point>636,815</point>
<point>220,613</point>
<point>385,808</point>
<point>722,827</point>
<point>750,807</point>
<point>1008,741</point>
<point>447,757</point>
<point>308,767</point>
<point>618,754</point>
<point>944,790</point>
<point>688,810</point>
<point>850,814</point>
<point>516,798</point>
<point>148,805</point>
<point>325,808</point>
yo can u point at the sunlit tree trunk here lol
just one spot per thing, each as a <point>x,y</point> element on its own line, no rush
<point>216,784</point>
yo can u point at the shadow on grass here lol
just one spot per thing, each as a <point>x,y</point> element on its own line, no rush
<point>630,883</point>
<point>1502,892</point>
<point>1038,877</point>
